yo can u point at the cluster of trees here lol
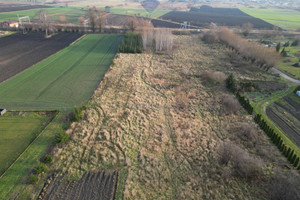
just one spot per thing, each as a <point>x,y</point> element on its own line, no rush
<point>132,43</point>
<point>252,51</point>
<point>158,39</point>
<point>277,140</point>
<point>97,19</point>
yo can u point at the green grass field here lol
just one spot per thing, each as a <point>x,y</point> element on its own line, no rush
<point>71,13</point>
<point>287,19</point>
<point>17,130</point>
<point>65,79</point>
<point>13,183</point>
<point>286,63</point>
<point>139,12</point>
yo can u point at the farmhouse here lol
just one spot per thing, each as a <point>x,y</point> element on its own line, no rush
<point>2,111</point>
<point>11,24</point>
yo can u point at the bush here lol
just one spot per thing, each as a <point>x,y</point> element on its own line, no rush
<point>47,159</point>
<point>247,133</point>
<point>132,43</point>
<point>231,83</point>
<point>77,114</point>
<point>40,168</point>
<point>33,179</point>
<point>231,105</point>
<point>284,188</point>
<point>209,37</point>
<point>61,137</point>
<point>217,77</point>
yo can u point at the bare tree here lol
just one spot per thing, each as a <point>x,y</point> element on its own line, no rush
<point>101,19</point>
<point>163,39</point>
<point>92,17</point>
<point>247,28</point>
<point>133,23</point>
<point>44,20</point>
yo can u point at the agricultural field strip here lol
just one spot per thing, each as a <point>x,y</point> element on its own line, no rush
<point>28,145</point>
<point>12,182</point>
<point>260,108</point>
<point>287,19</point>
<point>20,52</point>
<point>37,85</point>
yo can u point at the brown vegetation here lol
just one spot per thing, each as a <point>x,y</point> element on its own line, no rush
<point>231,105</point>
<point>153,117</point>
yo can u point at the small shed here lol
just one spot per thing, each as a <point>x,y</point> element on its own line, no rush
<point>2,111</point>
<point>298,93</point>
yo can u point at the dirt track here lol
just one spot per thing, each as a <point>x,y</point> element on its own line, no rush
<point>92,185</point>
<point>18,51</point>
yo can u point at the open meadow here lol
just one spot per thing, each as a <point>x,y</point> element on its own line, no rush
<point>286,19</point>
<point>291,64</point>
<point>65,79</point>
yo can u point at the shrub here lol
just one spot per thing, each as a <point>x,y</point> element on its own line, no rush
<point>40,168</point>
<point>278,47</point>
<point>248,134</point>
<point>218,77</point>
<point>33,179</point>
<point>77,114</point>
<point>231,105</point>
<point>132,43</point>
<point>231,83</point>
<point>47,159</point>
<point>284,188</point>
<point>61,137</point>
<point>209,37</point>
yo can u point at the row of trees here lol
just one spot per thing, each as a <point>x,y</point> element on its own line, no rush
<point>252,51</point>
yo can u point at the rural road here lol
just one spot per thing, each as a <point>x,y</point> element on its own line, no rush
<point>285,76</point>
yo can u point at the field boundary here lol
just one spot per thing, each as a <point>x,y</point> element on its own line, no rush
<point>41,60</point>
<point>27,147</point>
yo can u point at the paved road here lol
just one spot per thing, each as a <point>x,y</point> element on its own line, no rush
<point>285,76</point>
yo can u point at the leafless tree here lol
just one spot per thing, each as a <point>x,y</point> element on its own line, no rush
<point>101,19</point>
<point>163,39</point>
<point>92,17</point>
<point>44,20</point>
<point>247,28</point>
<point>133,23</point>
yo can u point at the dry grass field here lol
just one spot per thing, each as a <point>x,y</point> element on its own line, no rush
<point>158,120</point>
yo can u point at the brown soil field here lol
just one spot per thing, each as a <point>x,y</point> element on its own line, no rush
<point>18,51</point>
<point>92,185</point>
<point>157,117</point>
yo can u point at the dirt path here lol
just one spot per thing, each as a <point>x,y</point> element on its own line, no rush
<point>295,81</point>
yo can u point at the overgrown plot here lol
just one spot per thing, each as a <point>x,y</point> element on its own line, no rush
<point>65,79</point>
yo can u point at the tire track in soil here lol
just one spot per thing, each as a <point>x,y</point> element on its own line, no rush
<point>169,126</point>
<point>70,69</point>
<point>92,186</point>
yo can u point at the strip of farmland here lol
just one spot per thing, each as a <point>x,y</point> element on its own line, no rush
<point>18,51</point>
<point>65,79</point>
